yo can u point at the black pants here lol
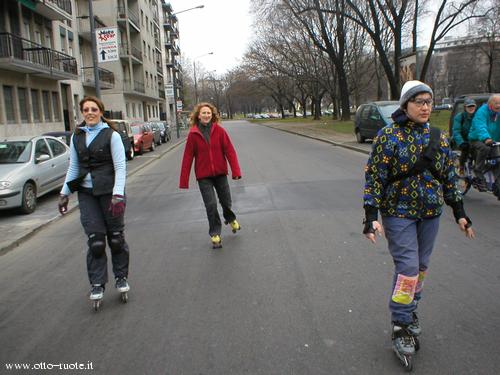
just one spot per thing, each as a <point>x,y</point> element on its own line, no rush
<point>96,218</point>
<point>482,152</point>
<point>221,186</point>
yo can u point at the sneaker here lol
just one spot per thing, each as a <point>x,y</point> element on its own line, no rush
<point>216,241</point>
<point>402,340</point>
<point>122,284</point>
<point>414,327</point>
<point>97,292</point>
<point>480,184</point>
<point>235,226</point>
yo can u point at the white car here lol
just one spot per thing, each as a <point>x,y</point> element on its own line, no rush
<point>29,168</point>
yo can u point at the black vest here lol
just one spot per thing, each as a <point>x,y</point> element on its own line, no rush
<point>95,159</point>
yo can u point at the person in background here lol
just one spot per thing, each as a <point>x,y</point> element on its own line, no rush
<point>485,130</point>
<point>97,171</point>
<point>461,126</point>
<point>209,145</point>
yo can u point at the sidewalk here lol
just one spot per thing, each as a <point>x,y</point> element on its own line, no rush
<point>17,228</point>
<point>313,130</point>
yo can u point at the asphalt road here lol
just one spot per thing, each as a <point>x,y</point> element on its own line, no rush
<point>297,291</point>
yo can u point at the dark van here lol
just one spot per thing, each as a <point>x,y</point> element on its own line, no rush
<point>125,131</point>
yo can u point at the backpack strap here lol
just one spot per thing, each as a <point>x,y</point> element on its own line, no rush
<point>425,160</point>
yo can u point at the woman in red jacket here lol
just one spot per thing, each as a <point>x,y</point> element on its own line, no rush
<point>210,147</point>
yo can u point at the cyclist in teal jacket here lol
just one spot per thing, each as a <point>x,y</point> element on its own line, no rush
<point>484,132</point>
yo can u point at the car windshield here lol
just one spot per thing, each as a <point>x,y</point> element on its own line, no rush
<point>136,130</point>
<point>388,110</point>
<point>15,152</point>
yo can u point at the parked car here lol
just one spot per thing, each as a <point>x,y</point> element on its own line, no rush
<point>155,128</point>
<point>371,117</point>
<point>143,137</point>
<point>458,106</point>
<point>166,133</point>
<point>29,168</point>
<point>442,107</point>
<point>125,131</point>
<point>64,136</point>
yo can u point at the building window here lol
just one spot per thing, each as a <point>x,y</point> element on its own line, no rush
<point>46,106</point>
<point>149,111</point>
<point>38,37</point>
<point>140,110</point>
<point>23,104</point>
<point>127,106</point>
<point>35,104</point>
<point>27,28</point>
<point>8,97</point>
<point>55,106</point>
<point>133,109</point>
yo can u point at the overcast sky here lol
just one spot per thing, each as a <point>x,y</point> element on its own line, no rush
<point>222,27</point>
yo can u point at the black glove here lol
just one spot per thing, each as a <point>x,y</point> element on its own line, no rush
<point>459,213</point>
<point>371,215</point>
<point>464,146</point>
<point>63,204</point>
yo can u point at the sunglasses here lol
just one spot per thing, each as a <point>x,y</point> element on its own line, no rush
<point>91,109</point>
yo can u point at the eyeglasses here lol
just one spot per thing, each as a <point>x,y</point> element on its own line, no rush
<point>420,102</point>
<point>91,109</point>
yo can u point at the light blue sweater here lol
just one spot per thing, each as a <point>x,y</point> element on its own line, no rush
<point>117,153</point>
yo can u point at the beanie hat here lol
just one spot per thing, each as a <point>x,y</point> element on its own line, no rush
<point>412,88</point>
<point>469,102</point>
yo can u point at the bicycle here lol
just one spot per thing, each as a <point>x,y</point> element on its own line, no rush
<point>466,180</point>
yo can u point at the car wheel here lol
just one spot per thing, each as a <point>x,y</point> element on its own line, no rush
<point>152,148</point>
<point>131,153</point>
<point>28,204</point>
<point>141,149</point>
<point>359,137</point>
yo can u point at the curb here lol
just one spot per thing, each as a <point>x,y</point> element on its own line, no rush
<point>9,247</point>
<point>334,143</point>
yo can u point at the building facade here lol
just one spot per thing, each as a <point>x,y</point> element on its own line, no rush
<point>46,63</point>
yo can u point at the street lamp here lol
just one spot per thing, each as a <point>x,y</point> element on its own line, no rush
<point>185,10</point>
<point>195,82</point>
<point>175,77</point>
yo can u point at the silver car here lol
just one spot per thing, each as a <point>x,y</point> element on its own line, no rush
<point>29,168</point>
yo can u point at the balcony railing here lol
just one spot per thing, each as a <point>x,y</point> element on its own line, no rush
<point>33,55</point>
<point>161,93</point>
<point>133,17</point>
<point>124,51</point>
<point>159,68</point>
<point>106,77</point>
<point>63,4</point>
<point>134,86</point>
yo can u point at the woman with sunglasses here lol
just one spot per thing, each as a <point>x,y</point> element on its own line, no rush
<point>97,171</point>
<point>410,202</point>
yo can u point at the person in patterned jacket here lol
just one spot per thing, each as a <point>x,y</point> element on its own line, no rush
<point>411,206</point>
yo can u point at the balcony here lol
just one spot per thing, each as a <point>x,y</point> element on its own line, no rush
<point>125,14</point>
<point>134,52</point>
<point>161,93</point>
<point>24,56</point>
<point>159,68</point>
<point>84,27</point>
<point>106,78</point>
<point>53,9</point>
<point>133,87</point>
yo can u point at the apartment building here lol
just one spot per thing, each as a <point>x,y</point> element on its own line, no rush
<point>173,81</point>
<point>36,58</point>
<point>46,63</point>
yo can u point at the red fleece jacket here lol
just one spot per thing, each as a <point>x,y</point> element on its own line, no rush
<point>210,159</point>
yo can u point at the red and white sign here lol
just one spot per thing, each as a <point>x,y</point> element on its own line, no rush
<point>107,44</point>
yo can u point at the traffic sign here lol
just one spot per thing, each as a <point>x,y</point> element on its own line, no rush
<point>179,105</point>
<point>107,44</point>
<point>169,90</point>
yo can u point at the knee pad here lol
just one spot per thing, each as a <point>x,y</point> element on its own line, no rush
<point>97,244</point>
<point>404,290</point>
<point>116,240</point>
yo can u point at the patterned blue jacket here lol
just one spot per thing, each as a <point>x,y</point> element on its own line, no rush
<point>396,149</point>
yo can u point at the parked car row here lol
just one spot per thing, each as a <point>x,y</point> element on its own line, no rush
<point>31,166</point>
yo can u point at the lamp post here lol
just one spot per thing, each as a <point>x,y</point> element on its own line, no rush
<point>194,72</point>
<point>93,42</point>
<point>174,83</point>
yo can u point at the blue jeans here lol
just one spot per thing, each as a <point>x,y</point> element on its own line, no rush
<point>410,243</point>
